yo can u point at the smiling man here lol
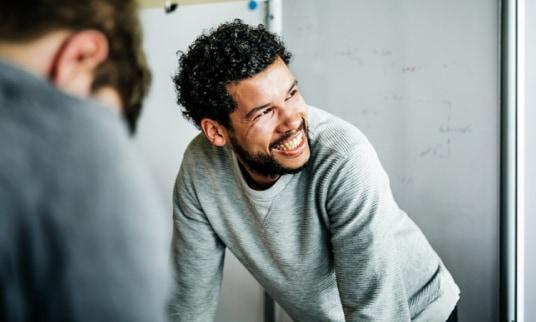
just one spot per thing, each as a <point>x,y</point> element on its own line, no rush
<point>296,194</point>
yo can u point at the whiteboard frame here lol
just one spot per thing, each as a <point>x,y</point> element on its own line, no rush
<point>511,161</point>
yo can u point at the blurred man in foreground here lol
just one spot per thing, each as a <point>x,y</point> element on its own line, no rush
<point>80,225</point>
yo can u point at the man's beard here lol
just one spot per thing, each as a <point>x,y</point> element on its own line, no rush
<point>265,164</point>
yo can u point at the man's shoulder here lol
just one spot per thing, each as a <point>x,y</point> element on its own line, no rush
<point>200,152</point>
<point>31,106</point>
<point>77,135</point>
<point>61,157</point>
<point>199,144</point>
<point>330,134</point>
<point>58,141</point>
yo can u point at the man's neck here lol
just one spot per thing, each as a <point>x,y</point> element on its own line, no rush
<point>36,55</point>
<point>256,181</point>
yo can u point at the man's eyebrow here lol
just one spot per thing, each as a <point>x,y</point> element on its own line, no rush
<point>294,84</point>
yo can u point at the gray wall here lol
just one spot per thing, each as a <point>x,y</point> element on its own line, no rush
<point>419,78</point>
<point>530,162</point>
<point>163,133</point>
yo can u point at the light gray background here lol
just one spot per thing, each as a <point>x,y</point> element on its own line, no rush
<point>419,78</point>
<point>164,134</point>
<point>530,162</point>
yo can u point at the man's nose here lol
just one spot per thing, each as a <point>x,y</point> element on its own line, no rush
<point>290,118</point>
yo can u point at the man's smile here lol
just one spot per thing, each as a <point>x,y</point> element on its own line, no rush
<point>293,146</point>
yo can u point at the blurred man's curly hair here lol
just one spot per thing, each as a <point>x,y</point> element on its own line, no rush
<point>232,52</point>
<point>125,69</point>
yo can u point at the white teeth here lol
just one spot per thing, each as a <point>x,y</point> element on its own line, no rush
<point>292,144</point>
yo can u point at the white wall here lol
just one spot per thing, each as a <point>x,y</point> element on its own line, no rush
<point>420,79</point>
<point>530,162</point>
<point>163,133</point>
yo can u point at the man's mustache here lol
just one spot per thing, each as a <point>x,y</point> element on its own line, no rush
<point>287,135</point>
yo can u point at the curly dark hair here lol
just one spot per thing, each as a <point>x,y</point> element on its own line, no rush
<point>232,52</point>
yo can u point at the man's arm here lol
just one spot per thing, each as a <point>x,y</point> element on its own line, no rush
<point>361,210</point>
<point>198,256</point>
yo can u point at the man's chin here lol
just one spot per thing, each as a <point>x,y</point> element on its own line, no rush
<point>294,166</point>
<point>292,163</point>
<point>276,168</point>
<point>295,170</point>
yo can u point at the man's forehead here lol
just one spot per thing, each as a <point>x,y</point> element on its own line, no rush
<point>248,91</point>
<point>275,72</point>
<point>273,82</point>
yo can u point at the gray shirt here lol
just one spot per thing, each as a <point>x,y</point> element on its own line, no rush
<point>329,243</point>
<point>79,219</point>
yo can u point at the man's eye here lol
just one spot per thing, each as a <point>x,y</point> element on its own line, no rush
<point>266,111</point>
<point>292,93</point>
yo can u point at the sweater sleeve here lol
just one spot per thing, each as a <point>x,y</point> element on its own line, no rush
<point>361,212</point>
<point>198,256</point>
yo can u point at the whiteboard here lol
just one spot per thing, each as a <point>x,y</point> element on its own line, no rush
<point>420,79</point>
<point>163,133</point>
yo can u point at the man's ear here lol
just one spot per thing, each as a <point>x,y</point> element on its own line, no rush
<point>214,131</point>
<point>73,69</point>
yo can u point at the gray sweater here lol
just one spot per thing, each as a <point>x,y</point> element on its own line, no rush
<point>80,222</point>
<point>329,243</point>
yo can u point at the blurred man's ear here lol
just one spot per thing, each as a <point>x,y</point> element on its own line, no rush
<point>214,132</point>
<point>77,59</point>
